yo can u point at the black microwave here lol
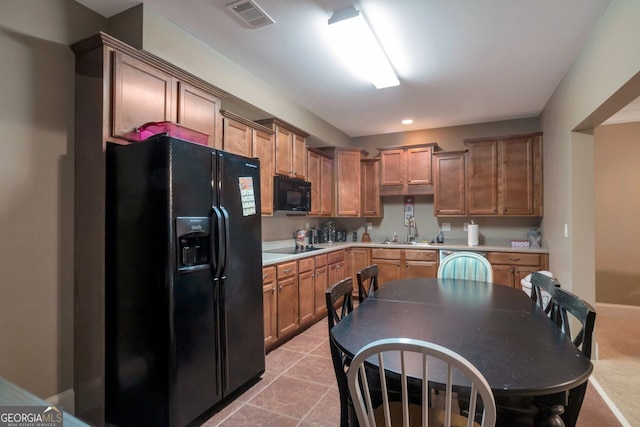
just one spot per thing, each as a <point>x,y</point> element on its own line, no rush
<point>291,194</point>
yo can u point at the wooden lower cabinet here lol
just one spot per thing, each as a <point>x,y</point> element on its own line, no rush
<point>306,291</point>
<point>287,298</point>
<point>320,283</point>
<point>420,263</point>
<point>509,268</point>
<point>358,260</point>
<point>337,269</point>
<point>270,302</point>
<point>396,264</point>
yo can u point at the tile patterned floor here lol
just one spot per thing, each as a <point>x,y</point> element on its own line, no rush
<point>299,389</point>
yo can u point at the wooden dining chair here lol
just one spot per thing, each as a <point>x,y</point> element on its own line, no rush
<point>367,281</point>
<point>398,355</point>
<point>543,287</point>
<point>339,299</point>
<point>466,265</point>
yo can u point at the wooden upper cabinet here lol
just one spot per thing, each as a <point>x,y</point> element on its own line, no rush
<point>419,165</point>
<point>449,176</point>
<point>141,94</point>
<point>504,176</point>
<point>145,90</point>
<point>392,172</point>
<point>250,139</point>
<point>406,169</point>
<point>319,175</point>
<point>299,157</point>
<point>347,182</point>
<point>290,149</point>
<point>200,110</point>
<point>263,150</point>
<point>326,190</point>
<point>370,190</point>
<point>482,178</point>
<point>238,137</point>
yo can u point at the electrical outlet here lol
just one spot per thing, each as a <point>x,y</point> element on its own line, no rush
<point>465,227</point>
<point>369,226</point>
<point>446,226</point>
<point>566,230</point>
<point>306,226</point>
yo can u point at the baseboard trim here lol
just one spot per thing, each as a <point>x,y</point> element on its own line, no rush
<point>66,399</point>
<point>618,311</point>
<point>609,402</point>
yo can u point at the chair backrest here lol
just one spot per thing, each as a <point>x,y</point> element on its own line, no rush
<point>367,281</point>
<point>466,265</point>
<point>541,284</point>
<point>399,354</point>
<point>339,299</point>
<point>563,302</point>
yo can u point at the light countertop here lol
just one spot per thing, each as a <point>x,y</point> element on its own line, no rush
<point>269,258</point>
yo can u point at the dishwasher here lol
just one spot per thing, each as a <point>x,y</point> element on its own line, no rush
<point>446,252</point>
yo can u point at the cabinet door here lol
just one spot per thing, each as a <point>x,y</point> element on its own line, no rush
<point>503,275</point>
<point>348,185</point>
<point>516,177</point>
<point>200,110</point>
<point>306,294</point>
<point>299,157</point>
<point>417,269</point>
<point>388,269</point>
<point>449,191</point>
<point>287,305</point>
<point>269,300</point>
<point>321,284</point>
<point>141,94</point>
<point>283,151</point>
<point>337,272</point>
<point>263,150</point>
<point>237,138</point>
<point>326,192</point>
<point>419,165</point>
<point>482,180</point>
<point>314,177</point>
<point>370,170</point>
<point>392,164</point>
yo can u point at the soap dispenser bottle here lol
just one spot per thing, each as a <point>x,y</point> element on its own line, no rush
<point>440,238</point>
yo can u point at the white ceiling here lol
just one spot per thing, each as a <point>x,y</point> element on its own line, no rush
<point>460,61</point>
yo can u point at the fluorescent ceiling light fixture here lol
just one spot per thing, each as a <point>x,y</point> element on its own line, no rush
<point>407,121</point>
<point>355,42</point>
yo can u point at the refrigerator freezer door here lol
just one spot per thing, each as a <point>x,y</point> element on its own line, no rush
<point>241,290</point>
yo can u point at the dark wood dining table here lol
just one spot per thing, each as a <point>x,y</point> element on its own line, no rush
<point>497,328</point>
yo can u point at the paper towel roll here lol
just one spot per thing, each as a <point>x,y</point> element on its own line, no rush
<point>473,235</point>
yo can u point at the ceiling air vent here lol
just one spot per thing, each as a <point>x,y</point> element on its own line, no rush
<point>250,13</point>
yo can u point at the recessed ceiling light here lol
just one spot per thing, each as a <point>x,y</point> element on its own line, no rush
<point>407,121</point>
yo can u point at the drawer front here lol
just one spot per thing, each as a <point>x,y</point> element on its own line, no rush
<point>268,274</point>
<point>386,253</point>
<point>336,256</point>
<point>287,269</point>
<point>305,264</point>
<point>514,258</point>
<point>321,260</point>
<point>420,255</point>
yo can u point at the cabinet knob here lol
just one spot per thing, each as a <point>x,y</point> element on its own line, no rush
<point>273,290</point>
<point>264,276</point>
<point>287,271</point>
<point>280,287</point>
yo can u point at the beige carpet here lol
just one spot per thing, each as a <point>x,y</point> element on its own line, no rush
<point>617,369</point>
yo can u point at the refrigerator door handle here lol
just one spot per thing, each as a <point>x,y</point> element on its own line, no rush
<point>220,252</point>
<point>223,249</point>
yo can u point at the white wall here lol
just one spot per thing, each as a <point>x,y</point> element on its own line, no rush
<point>37,190</point>
<point>609,59</point>
<point>617,213</point>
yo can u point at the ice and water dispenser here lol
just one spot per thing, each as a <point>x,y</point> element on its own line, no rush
<point>194,242</point>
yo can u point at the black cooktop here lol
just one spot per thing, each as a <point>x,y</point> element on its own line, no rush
<point>294,250</point>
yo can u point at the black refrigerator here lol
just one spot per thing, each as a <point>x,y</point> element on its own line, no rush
<point>183,319</point>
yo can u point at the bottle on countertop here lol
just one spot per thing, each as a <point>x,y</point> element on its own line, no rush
<point>395,237</point>
<point>440,238</point>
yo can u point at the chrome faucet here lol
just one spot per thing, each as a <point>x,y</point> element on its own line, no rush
<point>412,230</point>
